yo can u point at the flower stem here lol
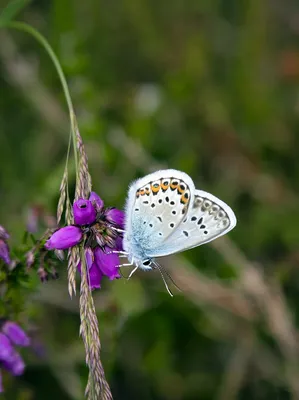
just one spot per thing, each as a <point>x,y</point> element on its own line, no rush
<point>42,40</point>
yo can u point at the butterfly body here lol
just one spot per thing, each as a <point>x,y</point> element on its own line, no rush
<point>165,214</point>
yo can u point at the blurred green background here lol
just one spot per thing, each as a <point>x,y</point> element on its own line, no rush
<point>209,87</point>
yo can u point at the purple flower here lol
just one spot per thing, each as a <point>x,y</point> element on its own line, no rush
<point>15,333</point>
<point>11,334</point>
<point>4,252</point>
<point>64,238</point>
<point>115,216</point>
<point>6,349</point>
<point>99,228</point>
<point>4,249</point>
<point>99,263</point>
<point>84,212</point>
<point>94,273</point>
<point>96,201</point>
<point>15,366</point>
<point>107,262</point>
<point>3,234</point>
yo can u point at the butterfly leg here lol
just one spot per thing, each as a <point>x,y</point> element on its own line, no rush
<point>132,272</point>
<point>117,229</point>
<point>122,265</point>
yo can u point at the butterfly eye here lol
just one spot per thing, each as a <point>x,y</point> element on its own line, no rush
<point>146,262</point>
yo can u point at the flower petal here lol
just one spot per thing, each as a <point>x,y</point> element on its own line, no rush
<point>89,257</point>
<point>4,252</point>
<point>84,212</point>
<point>107,262</point>
<point>95,277</point>
<point>94,273</point>
<point>115,216</point>
<point>15,365</point>
<point>64,238</point>
<point>3,234</point>
<point>15,333</point>
<point>96,201</point>
<point>6,349</point>
<point>119,244</point>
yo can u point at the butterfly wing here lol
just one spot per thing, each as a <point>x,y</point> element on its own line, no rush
<point>207,219</point>
<point>155,207</point>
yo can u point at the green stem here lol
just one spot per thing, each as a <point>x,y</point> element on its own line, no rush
<point>33,32</point>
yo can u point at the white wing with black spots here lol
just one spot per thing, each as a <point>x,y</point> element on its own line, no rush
<point>207,219</point>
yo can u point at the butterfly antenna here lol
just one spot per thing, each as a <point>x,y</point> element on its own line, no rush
<point>163,277</point>
<point>170,278</point>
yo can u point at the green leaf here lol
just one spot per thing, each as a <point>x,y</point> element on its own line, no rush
<point>11,10</point>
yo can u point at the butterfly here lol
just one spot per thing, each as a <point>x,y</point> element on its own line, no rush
<point>165,215</point>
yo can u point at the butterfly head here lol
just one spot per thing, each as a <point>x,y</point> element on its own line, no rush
<point>146,264</point>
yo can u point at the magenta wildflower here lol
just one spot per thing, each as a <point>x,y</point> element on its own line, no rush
<point>107,262</point>
<point>10,360</point>
<point>99,228</point>
<point>84,212</point>
<point>96,201</point>
<point>16,334</point>
<point>95,274</point>
<point>64,238</point>
<point>115,216</point>
<point>4,249</point>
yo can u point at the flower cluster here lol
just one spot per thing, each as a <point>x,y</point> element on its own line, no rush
<point>4,249</point>
<point>98,228</point>
<point>10,360</point>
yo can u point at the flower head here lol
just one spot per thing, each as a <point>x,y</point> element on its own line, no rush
<point>98,228</point>
<point>11,334</point>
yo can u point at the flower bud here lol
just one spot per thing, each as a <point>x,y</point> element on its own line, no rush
<point>84,212</point>
<point>64,238</point>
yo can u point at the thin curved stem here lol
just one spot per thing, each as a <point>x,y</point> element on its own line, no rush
<point>33,32</point>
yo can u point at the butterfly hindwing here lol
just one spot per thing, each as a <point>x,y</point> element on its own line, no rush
<point>207,219</point>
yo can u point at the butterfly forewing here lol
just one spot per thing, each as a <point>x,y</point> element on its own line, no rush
<point>207,218</point>
<point>161,202</point>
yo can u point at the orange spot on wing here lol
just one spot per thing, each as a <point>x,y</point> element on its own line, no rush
<point>165,187</point>
<point>184,199</point>
<point>156,188</point>
<point>181,189</point>
<point>174,185</point>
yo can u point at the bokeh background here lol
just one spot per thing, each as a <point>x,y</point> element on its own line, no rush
<point>209,87</point>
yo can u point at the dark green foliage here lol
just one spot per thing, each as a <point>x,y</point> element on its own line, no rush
<point>208,87</point>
